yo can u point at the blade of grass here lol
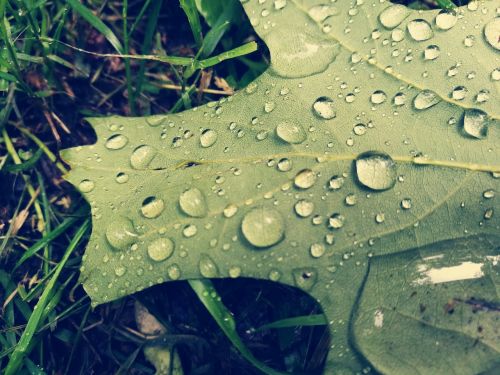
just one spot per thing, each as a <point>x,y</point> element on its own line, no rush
<point>193,17</point>
<point>211,300</point>
<point>243,50</point>
<point>296,321</point>
<point>446,4</point>
<point>28,164</point>
<point>16,359</point>
<point>91,18</point>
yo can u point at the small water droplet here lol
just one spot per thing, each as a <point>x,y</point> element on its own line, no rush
<point>193,203</point>
<point>475,123</point>
<point>207,267</point>
<point>189,230</point>
<point>432,52</point>
<point>152,207</point>
<point>459,93</point>
<point>492,33</point>
<point>351,199</point>
<point>378,97</point>
<point>291,132</point>
<point>376,170</point>
<point>446,19</point>
<point>323,108</point>
<point>208,138</point>
<point>284,165</point>
<point>230,210</point>
<point>420,30</point>
<point>336,182</point>
<point>379,218</point>
<point>263,227</point>
<point>120,233</point>
<point>406,204</point>
<point>488,194</point>
<point>317,250</point>
<point>305,179</point>
<point>160,249</point>
<point>116,142</point>
<point>86,186</point>
<point>336,221</point>
<point>305,278</point>
<point>120,271</point>
<point>142,156</point>
<point>425,99</point>
<point>321,12</point>
<point>122,178</point>
<point>399,99</point>
<point>304,208</point>
<point>274,275</point>
<point>234,272</point>
<point>174,272</point>
<point>392,16</point>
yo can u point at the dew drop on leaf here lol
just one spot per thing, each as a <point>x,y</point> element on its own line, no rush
<point>142,156</point>
<point>406,204</point>
<point>304,208</point>
<point>230,210</point>
<point>305,278</point>
<point>399,99</point>
<point>284,165</point>
<point>323,108</point>
<point>475,123</point>
<point>432,52</point>
<point>263,227</point>
<point>116,142</point>
<point>86,186</point>
<point>392,16</point>
<point>122,178</point>
<point>160,249</point>
<point>174,272</point>
<point>492,33</point>
<point>120,233</point>
<point>291,133</point>
<point>152,207</point>
<point>189,230</point>
<point>446,19</point>
<point>425,99</point>
<point>376,170</point>
<point>336,221</point>
<point>305,179</point>
<point>378,97</point>
<point>193,203</point>
<point>208,137</point>
<point>420,30</point>
<point>207,267</point>
<point>336,182</point>
<point>321,12</point>
<point>120,271</point>
<point>234,272</point>
<point>274,275</point>
<point>351,200</point>
<point>317,250</point>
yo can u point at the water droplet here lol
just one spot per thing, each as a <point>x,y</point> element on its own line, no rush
<point>380,218</point>
<point>432,52</point>
<point>425,99</point>
<point>495,74</point>
<point>116,142</point>
<point>376,170</point>
<point>323,108</point>
<point>120,271</point>
<point>152,207</point>
<point>488,194</point>
<point>488,213</point>
<point>469,41</point>
<point>304,208</point>
<point>174,272</point>
<point>475,123</point>
<point>321,12</point>
<point>86,186</point>
<point>120,233</point>
<point>234,272</point>
<point>397,35</point>
<point>230,210</point>
<point>291,132</point>
<point>142,157</point>
<point>305,179</point>
<point>492,33</point>
<point>263,227</point>
<point>336,221</point>
<point>351,199</point>
<point>160,249</point>
<point>459,93</point>
<point>336,182</point>
<point>193,203</point>
<point>446,19</point>
<point>420,30</point>
<point>121,178</point>
<point>279,4</point>
<point>208,137</point>
<point>207,267</point>
<point>317,250</point>
<point>305,278</point>
<point>483,96</point>
<point>269,107</point>
<point>392,16</point>
<point>399,99</point>
<point>406,204</point>
<point>274,275</point>
<point>284,165</point>
<point>189,230</point>
<point>378,97</point>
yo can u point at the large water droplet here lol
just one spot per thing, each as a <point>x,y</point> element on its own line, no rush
<point>305,179</point>
<point>291,133</point>
<point>425,99</point>
<point>152,207</point>
<point>86,186</point>
<point>492,33</point>
<point>376,170</point>
<point>446,19</point>
<point>120,233</point>
<point>193,203</point>
<point>305,278</point>
<point>321,12</point>
<point>207,267</point>
<point>475,123</point>
<point>420,30</point>
<point>392,16</point>
<point>116,142</point>
<point>142,157</point>
<point>208,137</point>
<point>263,227</point>
<point>160,249</point>
<point>323,108</point>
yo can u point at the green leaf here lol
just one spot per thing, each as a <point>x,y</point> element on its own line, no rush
<point>372,136</point>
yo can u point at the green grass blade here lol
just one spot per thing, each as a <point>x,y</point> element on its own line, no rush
<point>243,50</point>
<point>296,321</point>
<point>28,164</point>
<point>85,12</point>
<point>211,300</point>
<point>17,357</point>
<point>446,4</point>
<point>193,16</point>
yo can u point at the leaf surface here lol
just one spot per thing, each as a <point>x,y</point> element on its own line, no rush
<point>371,139</point>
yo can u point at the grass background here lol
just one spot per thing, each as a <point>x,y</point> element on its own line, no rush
<point>60,62</point>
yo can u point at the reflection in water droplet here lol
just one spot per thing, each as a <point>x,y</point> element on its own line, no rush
<point>152,207</point>
<point>317,250</point>
<point>323,108</point>
<point>207,267</point>
<point>208,137</point>
<point>304,208</point>
<point>446,19</point>
<point>392,16</point>
<point>86,186</point>
<point>376,170</point>
<point>420,30</point>
<point>425,99</point>
<point>263,227</point>
<point>492,33</point>
<point>120,233</point>
<point>475,123</point>
<point>305,278</point>
<point>305,179</point>
<point>116,142</point>
<point>291,132</point>
<point>193,203</point>
<point>160,249</point>
<point>142,157</point>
